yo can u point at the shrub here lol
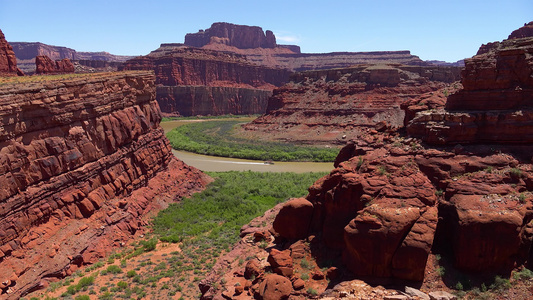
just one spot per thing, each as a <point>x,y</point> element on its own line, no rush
<point>312,291</point>
<point>82,297</point>
<point>149,245</point>
<point>304,263</point>
<point>516,172</point>
<point>523,274</point>
<point>500,283</point>
<point>122,285</point>
<point>114,269</point>
<point>131,273</point>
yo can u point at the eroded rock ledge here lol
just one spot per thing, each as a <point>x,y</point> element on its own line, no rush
<point>82,160</point>
<point>495,105</point>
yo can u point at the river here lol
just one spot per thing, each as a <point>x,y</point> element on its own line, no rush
<point>219,164</point>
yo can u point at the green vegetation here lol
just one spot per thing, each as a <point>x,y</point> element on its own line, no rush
<point>82,285</point>
<point>214,216</point>
<point>215,138</point>
<point>207,117</point>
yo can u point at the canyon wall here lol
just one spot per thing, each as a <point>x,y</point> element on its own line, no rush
<point>209,100</point>
<point>320,61</point>
<point>26,52</point>
<point>82,161</point>
<point>495,104</point>
<point>333,105</point>
<point>29,50</point>
<point>226,81</point>
<point>8,62</point>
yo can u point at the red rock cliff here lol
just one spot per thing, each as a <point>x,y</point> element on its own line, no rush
<point>239,36</point>
<point>495,103</point>
<point>189,68</point>
<point>81,162</point>
<point>8,62</point>
<point>44,65</point>
<point>329,104</point>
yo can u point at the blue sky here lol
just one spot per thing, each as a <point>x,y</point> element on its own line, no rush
<point>434,30</point>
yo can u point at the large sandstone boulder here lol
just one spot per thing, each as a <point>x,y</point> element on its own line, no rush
<point>292,222</point>
<point>275,287</point>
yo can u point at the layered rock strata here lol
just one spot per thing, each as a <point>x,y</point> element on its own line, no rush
<point>26,52</point>
<point>260,48</point>
<point>44,65</point>
<point>239,36</point>
<point>231,84</point>
<point>333,105</point>
<point>495,104</point>
<point>209,100</point>
<point>8,61</point>
<point>82,161</point>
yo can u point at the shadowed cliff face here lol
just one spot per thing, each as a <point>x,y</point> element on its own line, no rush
<point>81,162</point>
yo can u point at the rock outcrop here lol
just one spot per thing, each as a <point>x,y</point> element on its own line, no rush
<point>494,105</point>
<point>239,36</point>
<point>393,200</point>
<point>333,105</point>
<point>226,83</point>
<point>522,32</point>
<point>44,65</point>
<point>82,161</point>
<point>8,62</point>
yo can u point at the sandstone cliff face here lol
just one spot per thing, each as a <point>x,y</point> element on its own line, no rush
<point>240,36</point>
<point>208,100</point>
<point>44,65</point>
<point>81,163</point>
<point>327,105</point>
<point>189,66</point>
<point>8,62</point>
<point>27,51</point>
<point>494,105</point>
<point>232,85</point>
<point>261,49</point>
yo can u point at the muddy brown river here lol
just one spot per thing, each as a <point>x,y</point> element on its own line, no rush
<point>218,164</point>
